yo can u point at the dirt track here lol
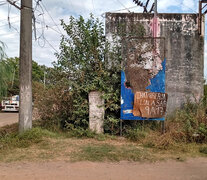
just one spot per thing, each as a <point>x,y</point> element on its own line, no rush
<point>193,169</point>
<point>8,118</point>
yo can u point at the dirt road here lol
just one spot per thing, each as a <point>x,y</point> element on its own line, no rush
<point>193,169</point>
<point>8,118</point>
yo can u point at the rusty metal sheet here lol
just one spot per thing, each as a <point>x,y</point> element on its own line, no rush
<point>150,104</point>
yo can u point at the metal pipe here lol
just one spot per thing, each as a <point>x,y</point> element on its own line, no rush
<point>155,8</point>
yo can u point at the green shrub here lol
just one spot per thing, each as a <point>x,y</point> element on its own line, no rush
<point>135,134</point>
<point>83,66</point>
<point>25,139</point>
<point>54,106</point>
<point>205,94</point>
<point>79,132</point>
<point>203,150</point>
<point>111,125</point>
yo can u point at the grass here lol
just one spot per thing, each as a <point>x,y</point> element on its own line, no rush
<point>40,144</point>
<point>203,150</point>
<point>108,152</point>
<point>23,140</point>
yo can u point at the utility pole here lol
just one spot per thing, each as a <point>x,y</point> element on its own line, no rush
<point>201,14</point>
<point>44,79</point>
<point>155,8</point>
<point>25,110</point>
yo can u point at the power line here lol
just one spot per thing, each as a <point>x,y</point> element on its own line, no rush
<point>45,40</point>
<point>1,20</point>
<point>144,5</point>
<point>187,7</point>
<point>13,3</point>
<point>132,7</point>
<point>51,45</point>
<point>49,27</point>
<point>11,22</point>
<point>53,29</point>
<point>51,17</point>
<point>123,5</point>
<point>93,5</point>
<point>2,3</point>
<point>7,34</point>
<point>50,40</point>
<point>8,18</point>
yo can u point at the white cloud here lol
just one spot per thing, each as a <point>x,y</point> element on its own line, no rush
<point>189,5</point>
<point>163,5</point>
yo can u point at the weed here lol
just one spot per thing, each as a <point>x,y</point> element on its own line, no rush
<point>25,139</point>
<point>79,132</point>
<point>203,150</point>
<point>135,134</point>
<point>108,152</point>
<point>97,152</point>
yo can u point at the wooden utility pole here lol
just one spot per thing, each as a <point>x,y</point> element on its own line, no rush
<point>25,110</point>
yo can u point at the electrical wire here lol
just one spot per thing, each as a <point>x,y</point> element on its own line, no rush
<point>93,6</point>
<point>8,18</point>
<point>1,20</point>
<point>45,40</point>
<point>123,5</point>
<point>50,16</point>
<point>183,5</point>
<point>2,3</point>
<point>132,7</point>
<point>7,24</point>
<point>5,34</point>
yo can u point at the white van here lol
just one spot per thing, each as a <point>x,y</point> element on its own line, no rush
<point>10,103</point>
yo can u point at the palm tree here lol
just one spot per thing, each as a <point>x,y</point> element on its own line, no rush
<point>2,53</point>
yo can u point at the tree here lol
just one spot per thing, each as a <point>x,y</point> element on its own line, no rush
<point>5,72</point>
<point>9,71</point>
<point>2,52</point>
<point>13,83</point>
<point>82,66</point>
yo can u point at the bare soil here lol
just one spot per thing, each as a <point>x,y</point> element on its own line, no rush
<point>192,169</point>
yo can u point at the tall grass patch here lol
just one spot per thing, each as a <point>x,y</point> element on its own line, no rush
<point>25,139</point>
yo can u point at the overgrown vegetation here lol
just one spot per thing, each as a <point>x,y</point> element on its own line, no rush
<point>5,77</point>
<point>9,77</point>
<point>187,125</point>
<point>39,144</point>
<point>23,140</point>
<point>5,72</point>
<point>86,62</point>
<point>2,52</point>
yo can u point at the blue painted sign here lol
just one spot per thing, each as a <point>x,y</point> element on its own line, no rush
<point>142,74</point>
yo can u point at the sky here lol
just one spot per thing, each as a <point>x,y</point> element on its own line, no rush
<point>49,12</point>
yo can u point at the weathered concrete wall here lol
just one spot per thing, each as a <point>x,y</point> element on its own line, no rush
<point>184,50</point>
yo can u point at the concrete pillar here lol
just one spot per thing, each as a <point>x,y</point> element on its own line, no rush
<point>96,111</point>
<point>25,66</point>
